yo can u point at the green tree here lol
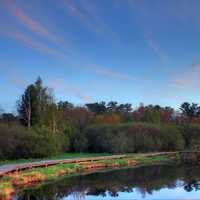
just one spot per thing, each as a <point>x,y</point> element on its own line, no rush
<point>112,106</point>
<point>151,115</point>
<point>65,105</point>
<point>33,103</point>
<point>124,108</point>
<point>97,108</point>
<point>26,106</point>
<point>190,110</point>
<point>1,110</point>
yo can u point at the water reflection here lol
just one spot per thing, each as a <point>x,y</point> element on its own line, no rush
<point>144,182</point>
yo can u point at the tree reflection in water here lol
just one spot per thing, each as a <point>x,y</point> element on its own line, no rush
<point>144,180</point>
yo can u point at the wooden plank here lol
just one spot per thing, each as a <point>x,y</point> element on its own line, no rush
<point>5,169</point>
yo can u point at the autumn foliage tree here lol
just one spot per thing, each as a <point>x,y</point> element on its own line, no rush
<point>110,118</point>
<point>44,127</point>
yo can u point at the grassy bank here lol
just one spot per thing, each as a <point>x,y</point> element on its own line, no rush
<point>10,183</point>
<point>58,157</point>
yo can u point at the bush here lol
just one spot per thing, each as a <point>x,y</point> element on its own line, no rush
<point>79,142</point>
<point>18,142</point>
<point>133,137</point>
<point>10,139</point>
<point>191,134</point>
<point>172,138</point>
<point>40,142</point>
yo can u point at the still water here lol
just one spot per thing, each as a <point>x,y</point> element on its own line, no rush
<point>153,182</point>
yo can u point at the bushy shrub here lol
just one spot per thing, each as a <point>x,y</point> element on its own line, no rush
<point>10,139</point>
<point>18,142</point>
<point>172,138</point>
<point>40,142</point>
<point>79,142</point>
<point>133,137</point>
<point>191,134</point>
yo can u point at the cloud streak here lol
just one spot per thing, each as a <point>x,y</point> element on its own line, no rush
<point>189,78</point>
<point>88,15</point>
<point>144,20</point>
<point>32,44</point>
<point>108,73</point>
<point>155,47</point>
<point>62,86</point>
<point>30,23</point>
<point>18,82</point>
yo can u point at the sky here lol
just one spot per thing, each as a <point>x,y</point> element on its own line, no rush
<point>101,50</point>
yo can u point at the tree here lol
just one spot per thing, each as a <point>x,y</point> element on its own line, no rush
<point>190,110</point>
<point>32,104</point>
<point>1,110</point>
<point>79,118</point>
<point>151,115</point>
<point>97,108</point>
<point>8,118</point>
<point>26,104</point>
<point>166,114</point>
<point>112,106</point>
<point>65,105</point>
<point>124,108</point>
<point>108,118</point>
<point>44,98</point>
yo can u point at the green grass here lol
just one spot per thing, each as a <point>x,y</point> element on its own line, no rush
<point>58,157</point>
<point>8,182</point>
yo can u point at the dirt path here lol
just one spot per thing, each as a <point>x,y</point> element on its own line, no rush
<point>10,168</point>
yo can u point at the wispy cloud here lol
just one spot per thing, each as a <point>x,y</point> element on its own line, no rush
<point>42,48</point>
<point>108,73</point>
<point>145,20</point>
<point>65,87</point>
<point>89,16</point>
<point>153,44</point>
<point>16,81</point>
<point>101,25</point>
<point>32,44</point>
<point>86,12</point>
<point>12,76</point>
<point>189,78</point>
<point>31,24</point>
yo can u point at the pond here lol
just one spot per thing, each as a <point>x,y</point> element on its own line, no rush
<point>152,182</point>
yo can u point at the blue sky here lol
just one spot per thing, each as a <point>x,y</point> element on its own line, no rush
<point>93,50</point>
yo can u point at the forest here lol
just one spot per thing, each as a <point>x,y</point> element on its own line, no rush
<point>43,127</point>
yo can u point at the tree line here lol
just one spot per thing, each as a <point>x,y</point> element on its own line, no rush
<point>44,127</point>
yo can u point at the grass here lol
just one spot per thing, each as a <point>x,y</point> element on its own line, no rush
<point>57,157</point>
<point>9,183</point>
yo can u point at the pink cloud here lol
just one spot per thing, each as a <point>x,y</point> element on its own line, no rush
<point>65,87</point>
<point>189,78</point>
<point>18,82</point>
<point>32,44</point>
<point>108,73</point>
<point>30,23</point>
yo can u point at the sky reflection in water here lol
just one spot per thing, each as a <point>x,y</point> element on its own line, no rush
<point>153,182</point>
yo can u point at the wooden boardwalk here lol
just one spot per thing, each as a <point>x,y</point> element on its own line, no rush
<point>11,168</point>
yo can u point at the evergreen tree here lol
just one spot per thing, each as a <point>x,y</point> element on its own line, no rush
<point>33,104</point>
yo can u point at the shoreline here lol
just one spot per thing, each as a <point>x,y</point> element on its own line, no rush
<point>11,183</point>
